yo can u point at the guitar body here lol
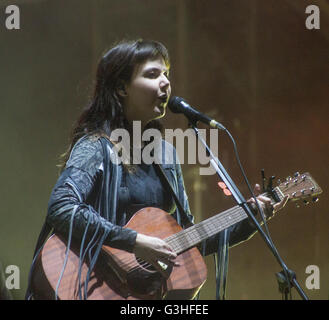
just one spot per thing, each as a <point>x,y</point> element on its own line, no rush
<point>119,275</point>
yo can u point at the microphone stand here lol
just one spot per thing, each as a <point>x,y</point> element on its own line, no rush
<point>284,283</point>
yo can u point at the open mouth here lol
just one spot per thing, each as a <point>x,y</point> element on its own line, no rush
<point>163,98</point>
<point>160,108</point>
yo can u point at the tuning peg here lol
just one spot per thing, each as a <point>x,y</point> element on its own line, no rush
<point>270,183</point>
<point>288,180</point>
<point>296,174</point>
<point>315,199</point>
<point>263,179</point>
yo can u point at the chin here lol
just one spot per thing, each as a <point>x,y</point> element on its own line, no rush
<point>155,124</point>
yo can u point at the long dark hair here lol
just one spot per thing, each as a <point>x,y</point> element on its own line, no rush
<point>105,112</point>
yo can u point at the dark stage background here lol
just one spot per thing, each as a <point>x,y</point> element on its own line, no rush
<point>253,65</point>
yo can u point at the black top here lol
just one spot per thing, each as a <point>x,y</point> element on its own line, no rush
<point>144,190</point>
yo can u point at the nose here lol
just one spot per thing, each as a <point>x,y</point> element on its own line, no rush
<point>164,83</point>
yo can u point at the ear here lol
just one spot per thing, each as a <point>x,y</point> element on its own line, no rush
<point>121,90</point>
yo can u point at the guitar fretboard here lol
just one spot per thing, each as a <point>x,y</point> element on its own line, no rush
<point>193,235</point>
<point>197,233</point>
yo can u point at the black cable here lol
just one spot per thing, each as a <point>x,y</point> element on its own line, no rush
<point>260,210</point>
<point>67,251</point>
<point>94,258</point>
<point>83,253</point>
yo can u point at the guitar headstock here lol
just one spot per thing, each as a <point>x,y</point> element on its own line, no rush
<point>300,186</point>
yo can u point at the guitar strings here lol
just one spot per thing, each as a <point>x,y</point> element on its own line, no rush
<point>180,238</point>
<point>188,237</point>
<point>212,225</point>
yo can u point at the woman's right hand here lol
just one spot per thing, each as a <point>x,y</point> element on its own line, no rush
<point>154,250</point>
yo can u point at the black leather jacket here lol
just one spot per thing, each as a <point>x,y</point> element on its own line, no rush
<point>78,187</point>
<point>84,202</point>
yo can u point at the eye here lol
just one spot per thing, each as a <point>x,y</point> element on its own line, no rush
<point>152,74</point>
<point>155,73</point>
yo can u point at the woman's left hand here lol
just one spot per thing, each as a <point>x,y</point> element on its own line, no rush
<point>266,203</point>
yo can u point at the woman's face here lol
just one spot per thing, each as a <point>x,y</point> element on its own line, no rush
<point>147,93</point>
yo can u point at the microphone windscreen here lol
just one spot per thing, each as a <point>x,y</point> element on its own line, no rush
<point>174,104</point>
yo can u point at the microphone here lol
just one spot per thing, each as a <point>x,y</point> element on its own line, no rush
<point>179,105</point>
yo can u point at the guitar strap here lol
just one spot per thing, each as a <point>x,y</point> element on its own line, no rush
<point>164,179</point>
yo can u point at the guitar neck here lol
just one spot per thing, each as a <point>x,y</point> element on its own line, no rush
<point>197,233</point>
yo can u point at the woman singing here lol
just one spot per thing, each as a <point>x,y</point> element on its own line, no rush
<point>96,196</point>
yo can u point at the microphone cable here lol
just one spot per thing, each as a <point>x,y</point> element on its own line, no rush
<point>179,105</point>
<point>284,267</point>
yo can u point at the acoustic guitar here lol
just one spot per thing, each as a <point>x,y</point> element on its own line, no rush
<point>120,275</point>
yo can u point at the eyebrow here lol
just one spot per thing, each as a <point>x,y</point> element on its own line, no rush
<point>155,69</point>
